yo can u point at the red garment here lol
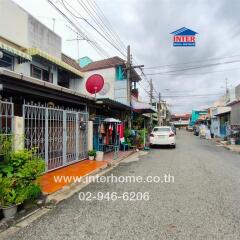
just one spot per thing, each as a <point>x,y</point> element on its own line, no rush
<point>110,129</point>
<point>120,130</point>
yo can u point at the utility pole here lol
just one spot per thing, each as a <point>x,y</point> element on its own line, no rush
<point>159,109</point>
<point>128,74</point>
<point>129,83</point>
<point>226,86</point>
<point>151,101</point>
<point>129,68</point>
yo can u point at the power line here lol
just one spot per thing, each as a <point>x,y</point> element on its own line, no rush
<point>78,31</point>
<point>184,63</point>
<point>103,25</point>
<point>195,67</point>
<point>192,95</point>
<point>93,27</point>
<point>92,15</point>
<point>204,73</point>
<point>108,24</point>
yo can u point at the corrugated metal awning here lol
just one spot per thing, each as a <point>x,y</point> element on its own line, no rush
<point>40,53</point>
<point>15,51</point>
<point>142,107</point>
<point>113,103</point>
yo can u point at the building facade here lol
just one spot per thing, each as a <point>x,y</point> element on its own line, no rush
<point>40,102</point>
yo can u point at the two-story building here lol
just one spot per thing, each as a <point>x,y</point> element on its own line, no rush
<point>39,90</point>
<point>112,101</point>
<point>43,91</point>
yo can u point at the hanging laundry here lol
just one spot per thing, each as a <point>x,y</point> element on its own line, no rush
<point>107,137</point>
<point>102,129</point>
<point>121,132</point>
<point>110,129</point>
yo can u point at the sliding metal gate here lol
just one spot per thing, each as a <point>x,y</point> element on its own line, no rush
<point>59,136</point>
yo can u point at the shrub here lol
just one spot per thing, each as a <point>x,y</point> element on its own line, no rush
<point>19,173</point>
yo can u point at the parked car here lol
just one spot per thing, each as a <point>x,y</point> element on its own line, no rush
<point>163,135</point>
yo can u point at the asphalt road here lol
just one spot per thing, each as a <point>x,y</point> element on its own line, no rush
<point>202,203</point>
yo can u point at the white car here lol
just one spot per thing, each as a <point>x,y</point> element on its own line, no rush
<point>163,136</point>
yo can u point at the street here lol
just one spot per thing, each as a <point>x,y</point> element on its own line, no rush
<point>202,203</point>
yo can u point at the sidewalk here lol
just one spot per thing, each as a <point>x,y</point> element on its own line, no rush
<point>79,169</point>
<point>233,148</point>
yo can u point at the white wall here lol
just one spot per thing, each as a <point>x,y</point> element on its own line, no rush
<point>25,69</point>
<point>109,76</point>
<point>13,23</point>
<point>120,93</point>
<point>215,126</point>
<point>19,27</point>
<point>75,83</point>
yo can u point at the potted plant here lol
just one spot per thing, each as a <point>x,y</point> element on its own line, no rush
<point>18,179</point>
<point>11,195</point>
<point>91,154</point>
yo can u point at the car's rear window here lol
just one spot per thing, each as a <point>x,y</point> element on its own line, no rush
<point>167,129</point>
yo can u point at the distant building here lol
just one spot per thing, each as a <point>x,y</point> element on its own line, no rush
<point>180,120</point>
<point>196,114</point>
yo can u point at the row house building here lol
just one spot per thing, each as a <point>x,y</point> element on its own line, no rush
<point>44,97</point>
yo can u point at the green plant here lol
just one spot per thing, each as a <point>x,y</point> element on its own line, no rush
<point>127,136</point>
<point>6,143</point>
<point>142,135</point>
<point>11,193</point>
<point>92,153</point>
<point>33,191</point>
<point>18,177</point>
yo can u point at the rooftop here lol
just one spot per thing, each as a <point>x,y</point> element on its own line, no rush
<point>105,63</point>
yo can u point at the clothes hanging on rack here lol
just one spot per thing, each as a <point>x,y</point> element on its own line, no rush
<point>110,129</point>
<point>102,129</point>
<point>120,130</point>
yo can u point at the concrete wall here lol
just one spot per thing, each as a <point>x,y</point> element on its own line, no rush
<point>237,92</point>
<point>13,23</point>
<point>109,76</point>
<point>18,133</point>
<point>113,89</point>
<point>75,83</point>
<point>25,69</point>
<point>19,27</point>
<point>90,135</point>
<point>120,91</point>
<point>215,126</point>
<point>235,114</point>
<point>41,37</point>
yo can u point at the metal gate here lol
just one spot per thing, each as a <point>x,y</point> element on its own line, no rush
<point>59,136</point>
<point>6,118</point>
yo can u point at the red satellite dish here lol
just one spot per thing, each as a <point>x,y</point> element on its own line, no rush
<point>94,83</point>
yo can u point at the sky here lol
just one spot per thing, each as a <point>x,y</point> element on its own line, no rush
<point>146,25</point>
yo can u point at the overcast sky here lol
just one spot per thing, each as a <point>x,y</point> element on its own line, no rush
<point>146,25</point>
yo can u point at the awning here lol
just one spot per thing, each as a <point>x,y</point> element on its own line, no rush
<point>112,120</point>
<point>60,63</point>
<point>141,107</point>
<point>223,110</point>
<point>15,51</point>
<point>113,103</point>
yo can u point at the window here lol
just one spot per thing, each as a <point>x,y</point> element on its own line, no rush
<point>167,129</point>
<point>42,74</point>
<point>7,61</point>
<point>36,72</point>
